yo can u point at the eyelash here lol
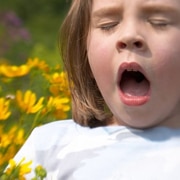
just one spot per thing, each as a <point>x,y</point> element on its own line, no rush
<point>108,27</point>
<point>158,23</point>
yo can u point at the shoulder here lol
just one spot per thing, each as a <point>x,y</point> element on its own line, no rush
<point>56,127</point>
<point>50,134</point>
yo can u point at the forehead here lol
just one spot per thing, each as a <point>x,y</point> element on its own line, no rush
<point>97,4</point>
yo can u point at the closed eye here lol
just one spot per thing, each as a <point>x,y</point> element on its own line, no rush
<point>158,22</point>
<point>108,26</point>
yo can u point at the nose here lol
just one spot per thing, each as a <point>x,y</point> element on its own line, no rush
<point>131,39</point>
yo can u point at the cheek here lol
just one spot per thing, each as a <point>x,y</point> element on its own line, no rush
<point>165,47</point>
<point>167,57</point>
<point>99,55</point>
<point>97,50</point>
<point>166,66</point>
<point>100,60</point>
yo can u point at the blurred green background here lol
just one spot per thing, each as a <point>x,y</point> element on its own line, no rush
<point>29,28</point>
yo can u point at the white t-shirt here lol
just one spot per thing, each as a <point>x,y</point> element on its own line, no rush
<point>69,151</point>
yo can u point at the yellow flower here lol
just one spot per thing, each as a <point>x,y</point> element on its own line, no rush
<point>28,102</point>
<point>18,171</point>
<point>4,109</point>
<point>10,142</point>
<point>14,135</point>
<point>58,103</point>
<point>58,83</point>
<point>37,63</point>
<point>24,167</point>
<point>57,77</point>
<point>14,71</point>
<point>59,106</point>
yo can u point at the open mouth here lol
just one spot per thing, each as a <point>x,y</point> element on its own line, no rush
<point>134,85</point>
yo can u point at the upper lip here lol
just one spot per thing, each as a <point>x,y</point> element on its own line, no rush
<point>130,66</point>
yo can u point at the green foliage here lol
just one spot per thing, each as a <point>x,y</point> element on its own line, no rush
<point>30,9</point>
<point>42,19</point>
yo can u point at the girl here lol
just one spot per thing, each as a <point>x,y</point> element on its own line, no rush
<point>122,60</point>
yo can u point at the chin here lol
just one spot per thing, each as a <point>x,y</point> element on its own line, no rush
<point>138,123</point>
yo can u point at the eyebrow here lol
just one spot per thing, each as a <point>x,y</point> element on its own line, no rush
<point>109,11</point>
<point>159,8</point>
<point>106,12</point>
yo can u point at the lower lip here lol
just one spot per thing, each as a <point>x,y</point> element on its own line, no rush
<point>134,100</point>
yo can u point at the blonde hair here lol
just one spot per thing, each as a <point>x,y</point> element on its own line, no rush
<point>88,105</point>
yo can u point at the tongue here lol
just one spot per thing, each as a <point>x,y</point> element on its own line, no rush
<point>131,87</point>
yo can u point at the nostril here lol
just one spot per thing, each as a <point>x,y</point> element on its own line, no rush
<point>122,45</point>
<point>138,44</point>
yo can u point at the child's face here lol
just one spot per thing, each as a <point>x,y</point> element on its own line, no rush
<point>134,53</point>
